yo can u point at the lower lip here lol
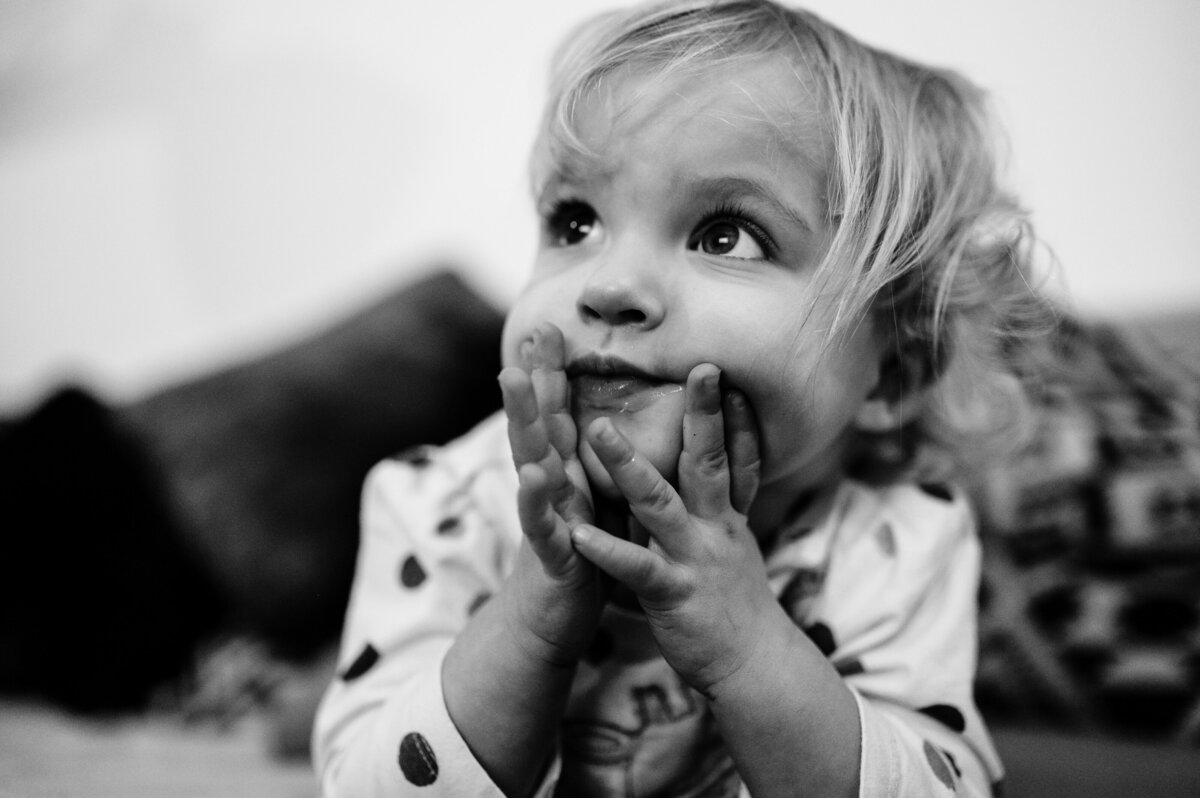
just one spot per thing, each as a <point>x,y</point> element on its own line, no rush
<point>618,394</point>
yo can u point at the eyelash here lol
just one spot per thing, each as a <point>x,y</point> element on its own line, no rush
<point>556,221</point>
<point>735,213</point>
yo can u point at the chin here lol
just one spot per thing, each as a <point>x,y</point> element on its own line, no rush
<point>656,438</point>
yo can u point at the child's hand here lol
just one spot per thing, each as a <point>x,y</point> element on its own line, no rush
<point>701,579</point>
<point>555,593</point>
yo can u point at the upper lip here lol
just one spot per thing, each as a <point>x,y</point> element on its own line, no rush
<point>593,364</point>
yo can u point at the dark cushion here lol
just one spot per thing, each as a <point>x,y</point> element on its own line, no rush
<point>223,505</point>
<point>265,461</point>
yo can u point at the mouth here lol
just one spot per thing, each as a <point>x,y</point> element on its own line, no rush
<point>611,385</point>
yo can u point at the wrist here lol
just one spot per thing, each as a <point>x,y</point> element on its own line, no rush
<point>764,643</point>
<point>787,691</point>
<point>550,626</point>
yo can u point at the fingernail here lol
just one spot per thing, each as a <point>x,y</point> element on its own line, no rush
<point>605,432</point>
<point>712,380</point>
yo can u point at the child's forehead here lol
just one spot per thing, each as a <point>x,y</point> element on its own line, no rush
<point>767,100</point>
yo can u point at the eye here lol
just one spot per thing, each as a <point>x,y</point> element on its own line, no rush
<point>571,222</point>
<point>730,239</point>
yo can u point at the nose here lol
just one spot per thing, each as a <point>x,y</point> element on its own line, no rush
<point>623,291</point>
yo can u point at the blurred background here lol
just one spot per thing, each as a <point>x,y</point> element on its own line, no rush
<point>183,183</point>
<point>229,222</point>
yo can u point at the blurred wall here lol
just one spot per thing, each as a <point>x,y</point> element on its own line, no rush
<point>188,182</point>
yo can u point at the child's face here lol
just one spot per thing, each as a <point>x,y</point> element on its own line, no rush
<point>693,237</point>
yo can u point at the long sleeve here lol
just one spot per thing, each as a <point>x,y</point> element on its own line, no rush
<point>435,544</point>
<point>886,584</point>
<point>883,580</point>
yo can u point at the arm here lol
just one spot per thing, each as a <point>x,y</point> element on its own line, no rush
<point>437,692</point>
<point>897,616</point>
<point>382,727</point>
<point>507,677</point>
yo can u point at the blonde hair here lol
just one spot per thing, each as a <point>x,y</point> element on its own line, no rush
<point>925,239</point>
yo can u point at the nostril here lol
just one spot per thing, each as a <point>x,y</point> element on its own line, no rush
<point>631,317</point>
<point>614,316</point>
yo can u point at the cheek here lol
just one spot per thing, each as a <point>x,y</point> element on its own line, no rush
<point>535,305</point>
<point>805,408</point>
<point>515,331</point>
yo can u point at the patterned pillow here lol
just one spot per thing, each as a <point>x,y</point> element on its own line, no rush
<point>1091,602</point>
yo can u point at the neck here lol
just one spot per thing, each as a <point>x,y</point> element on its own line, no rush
<point>771,509</point>
<point>781,501</point>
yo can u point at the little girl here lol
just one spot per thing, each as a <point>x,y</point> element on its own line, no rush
<point>775,295</point>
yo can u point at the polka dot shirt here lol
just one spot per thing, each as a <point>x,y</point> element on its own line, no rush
<point>882,580</point>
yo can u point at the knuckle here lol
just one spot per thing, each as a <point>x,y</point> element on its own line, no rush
<point>674,587</point>
<point>750,468</point>
<point>643,572</point>
<point>658,497</point>
<point>732,529</point>
<point>562,432</point>
<point>712,459</point>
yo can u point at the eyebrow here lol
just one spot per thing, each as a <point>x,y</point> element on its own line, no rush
<point>574,172</point>
<point>730,187</point>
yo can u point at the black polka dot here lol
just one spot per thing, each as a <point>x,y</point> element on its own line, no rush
<point>948,715</point>
<point>418,763</point>
<point>601,647</point>
<point>411,572</point>
<point>822,636</point>
<point>938,491</point>
<point>849,667</point>
<point>448,525</point>
<point>362,663</point>
<point>938,765</point>
<point>885,536</point>
<point>478,602</point>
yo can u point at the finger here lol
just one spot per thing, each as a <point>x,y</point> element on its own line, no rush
<point>547,533</point>
<point>703,467</point>
<point>552,389</point>
<point>651,498</point>
<point>526,431</point>
<point>643,571</point>
<point>527,434</point>
<point>742,450</point>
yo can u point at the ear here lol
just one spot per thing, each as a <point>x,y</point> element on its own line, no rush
<point>897,397</point>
